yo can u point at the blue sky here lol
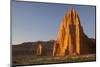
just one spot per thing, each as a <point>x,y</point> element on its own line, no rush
<point>40,21</point>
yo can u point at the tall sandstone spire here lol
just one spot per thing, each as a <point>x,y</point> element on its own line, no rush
<point>71,38</point>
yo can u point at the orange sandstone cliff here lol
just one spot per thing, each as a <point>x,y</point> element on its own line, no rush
<point>71,38</point>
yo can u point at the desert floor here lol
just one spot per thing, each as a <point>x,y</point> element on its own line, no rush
<point>35,60</point>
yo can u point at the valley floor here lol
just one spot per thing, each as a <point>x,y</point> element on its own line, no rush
<point>35,60</point>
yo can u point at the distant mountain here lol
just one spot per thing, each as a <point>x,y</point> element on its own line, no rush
<point>30,48</point>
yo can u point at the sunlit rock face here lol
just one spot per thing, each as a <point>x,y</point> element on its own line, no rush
<point>71,38</point>
<point>39,50</point>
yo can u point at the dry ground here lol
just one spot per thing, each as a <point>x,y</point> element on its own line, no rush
<point>34,60</point>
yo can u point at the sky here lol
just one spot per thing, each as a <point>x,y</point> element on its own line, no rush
<point>32,21</point>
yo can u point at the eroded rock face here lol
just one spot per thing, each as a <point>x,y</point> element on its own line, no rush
<point>71,38</point>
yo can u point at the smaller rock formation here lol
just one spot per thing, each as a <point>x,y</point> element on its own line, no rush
<point>39,50</point>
